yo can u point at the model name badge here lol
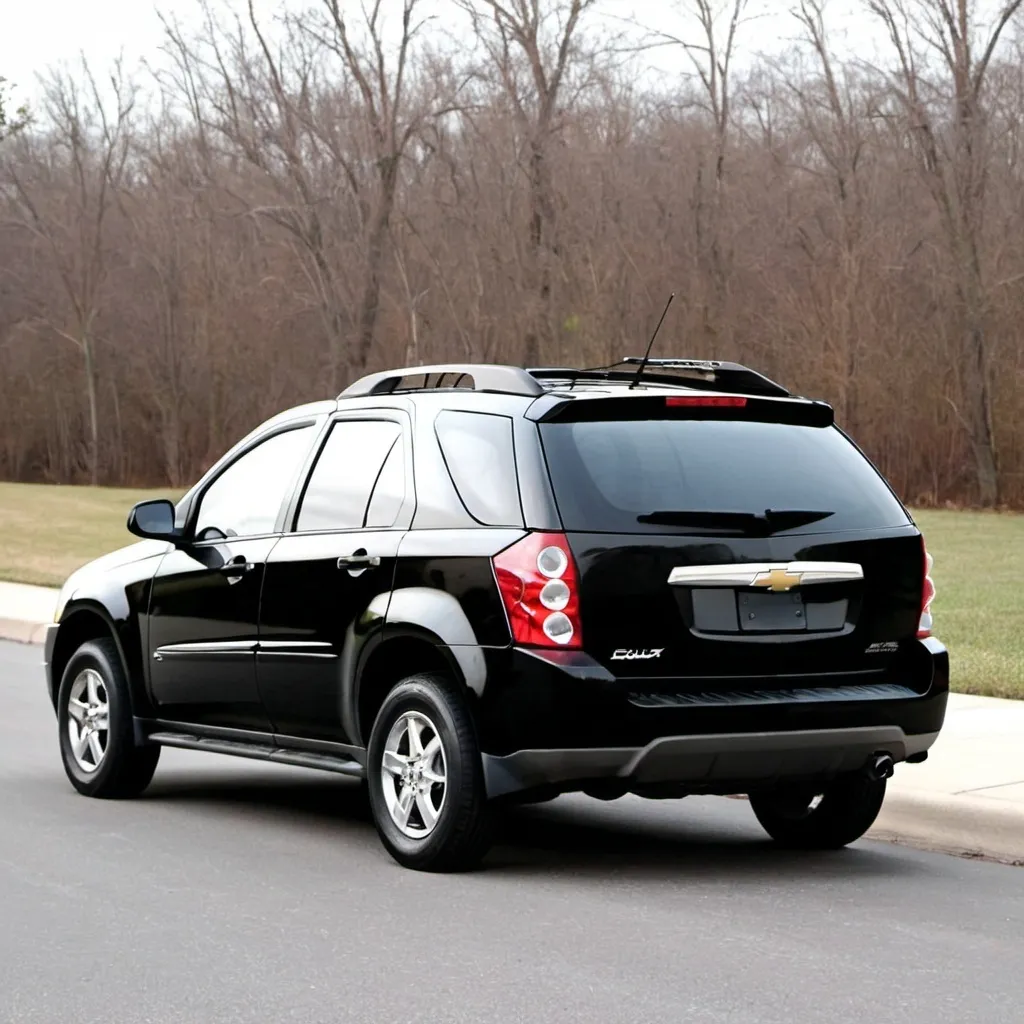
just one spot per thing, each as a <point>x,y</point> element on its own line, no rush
<point>886,647</point>
<point>625,654</point>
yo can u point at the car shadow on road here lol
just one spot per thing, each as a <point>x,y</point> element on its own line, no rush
<point>578,836</point>
<point>592,841</point>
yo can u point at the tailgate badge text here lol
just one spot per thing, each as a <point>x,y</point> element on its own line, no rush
<point>625,654</point>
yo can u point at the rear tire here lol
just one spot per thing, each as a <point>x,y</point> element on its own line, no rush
<point>429,804</point>
<point>820,818</point>
<point>94,718</point>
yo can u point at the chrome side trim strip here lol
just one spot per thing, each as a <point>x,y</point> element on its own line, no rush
<point>208,647</point>
<point>269,645</point>
<point>775,575</point>
<point>300,649</point>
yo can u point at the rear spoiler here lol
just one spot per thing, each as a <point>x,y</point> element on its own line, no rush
<point>624,404</point>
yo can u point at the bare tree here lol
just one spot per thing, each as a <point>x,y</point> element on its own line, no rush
<point>65,202</point>
<point>711,57</point>
<point>947,123</point>
<point>237,272</point>
<point>396,106</point>
<point>831,110</point>
<point>10,122</point>
<point>324,118</point>
<point>532,64</point>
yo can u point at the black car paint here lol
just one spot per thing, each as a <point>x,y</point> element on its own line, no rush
<point>627,603</point>
<point>318,626</point>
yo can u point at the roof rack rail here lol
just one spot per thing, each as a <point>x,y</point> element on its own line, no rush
<point>724,375</point>
<point>509,380</point>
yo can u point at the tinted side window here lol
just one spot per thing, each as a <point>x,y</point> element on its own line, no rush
<point>347,471</point>
<point>245,499</point>
<point>480,456</point>
<point>389,492</point>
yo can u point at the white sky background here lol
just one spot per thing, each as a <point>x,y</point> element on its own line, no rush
<point>37,34</point>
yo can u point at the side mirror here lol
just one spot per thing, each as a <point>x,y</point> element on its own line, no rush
<point>153,520</point>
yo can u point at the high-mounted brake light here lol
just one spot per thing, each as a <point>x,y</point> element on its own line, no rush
<point>924,627</point>
<point>717,401</point>
<point>540,588</point>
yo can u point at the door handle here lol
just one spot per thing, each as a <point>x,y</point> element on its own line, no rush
<point>357,559</point>
<point>237,568</point>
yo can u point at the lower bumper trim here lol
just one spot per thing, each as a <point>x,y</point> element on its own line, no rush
<point>705,761</point>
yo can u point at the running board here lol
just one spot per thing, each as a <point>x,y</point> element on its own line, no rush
<point>258,752</point>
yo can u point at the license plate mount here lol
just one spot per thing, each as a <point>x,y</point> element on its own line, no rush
<point>771,613</point>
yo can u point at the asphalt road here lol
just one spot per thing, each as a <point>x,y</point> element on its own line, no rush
<point>235,892</point>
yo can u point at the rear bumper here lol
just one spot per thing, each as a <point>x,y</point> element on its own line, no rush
<point>561,719</point>
<point>714,763</point>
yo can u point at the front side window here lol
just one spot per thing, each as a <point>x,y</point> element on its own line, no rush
<point>244,501</point>
<point>359,478</point>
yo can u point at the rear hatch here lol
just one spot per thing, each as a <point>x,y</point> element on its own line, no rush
<point>744,545</point>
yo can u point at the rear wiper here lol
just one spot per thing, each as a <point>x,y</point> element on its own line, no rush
<point>769,521</point>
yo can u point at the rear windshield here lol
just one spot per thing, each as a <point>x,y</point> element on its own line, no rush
<point>606,474</point>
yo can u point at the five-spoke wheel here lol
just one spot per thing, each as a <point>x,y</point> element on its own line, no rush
<point>94,715</point>
<point>88,719</point>
<point>414,774</point>
<point>425,777</point>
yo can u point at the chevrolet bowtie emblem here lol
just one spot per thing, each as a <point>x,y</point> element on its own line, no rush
<point>778,579</point>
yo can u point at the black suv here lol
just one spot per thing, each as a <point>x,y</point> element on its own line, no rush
<point>475,585</point>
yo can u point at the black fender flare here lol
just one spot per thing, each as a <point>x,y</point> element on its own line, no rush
<point>412,613</point>
<point>116,628</point>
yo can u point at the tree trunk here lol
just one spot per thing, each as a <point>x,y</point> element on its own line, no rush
<point>94,430</point>
<point>975,363</point>
<point>369,306</point>
<point>541,218</point>
<point>979,414</point>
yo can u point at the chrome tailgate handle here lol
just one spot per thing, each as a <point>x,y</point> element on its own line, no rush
<point>771,575</point>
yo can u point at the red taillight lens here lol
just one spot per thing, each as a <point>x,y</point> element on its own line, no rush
<point>715,401</point>
<point>539,585</point>
<point>924,627</point>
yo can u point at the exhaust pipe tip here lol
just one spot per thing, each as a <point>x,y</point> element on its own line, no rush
<point>880,766</point>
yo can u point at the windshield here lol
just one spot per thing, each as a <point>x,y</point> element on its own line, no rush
<point>665,476</point>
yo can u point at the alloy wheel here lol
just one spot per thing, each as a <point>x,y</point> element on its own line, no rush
<point>414,774</point>
<point>88,719</point>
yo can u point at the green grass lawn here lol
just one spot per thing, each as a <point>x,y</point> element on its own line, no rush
<point>46,532</point>
<point>979,604</point>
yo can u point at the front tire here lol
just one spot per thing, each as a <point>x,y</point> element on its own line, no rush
<point>425,778</point>
<point>94,718</point>
<point>820,817</point>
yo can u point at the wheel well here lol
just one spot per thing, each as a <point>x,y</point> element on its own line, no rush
<point>74,631</point>
<point>390,663</point>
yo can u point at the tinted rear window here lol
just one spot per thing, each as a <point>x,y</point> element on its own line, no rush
<point>607,473</point>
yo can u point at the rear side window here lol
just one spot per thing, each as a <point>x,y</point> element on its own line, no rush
<point>358,480</point>
<point>479,453</point>
<point>606,474</point>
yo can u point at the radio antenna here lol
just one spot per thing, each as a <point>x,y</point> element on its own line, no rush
<point>647,355</point>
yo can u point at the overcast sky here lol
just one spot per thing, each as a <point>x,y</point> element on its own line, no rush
<point>35,34</point>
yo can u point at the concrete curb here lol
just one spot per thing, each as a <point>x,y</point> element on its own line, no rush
<point>23,632</point>
<point>968,826</point>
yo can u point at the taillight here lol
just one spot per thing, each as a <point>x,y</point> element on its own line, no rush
<point>924,627</point>
<point>539,585</point>
<point>713,401</point>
